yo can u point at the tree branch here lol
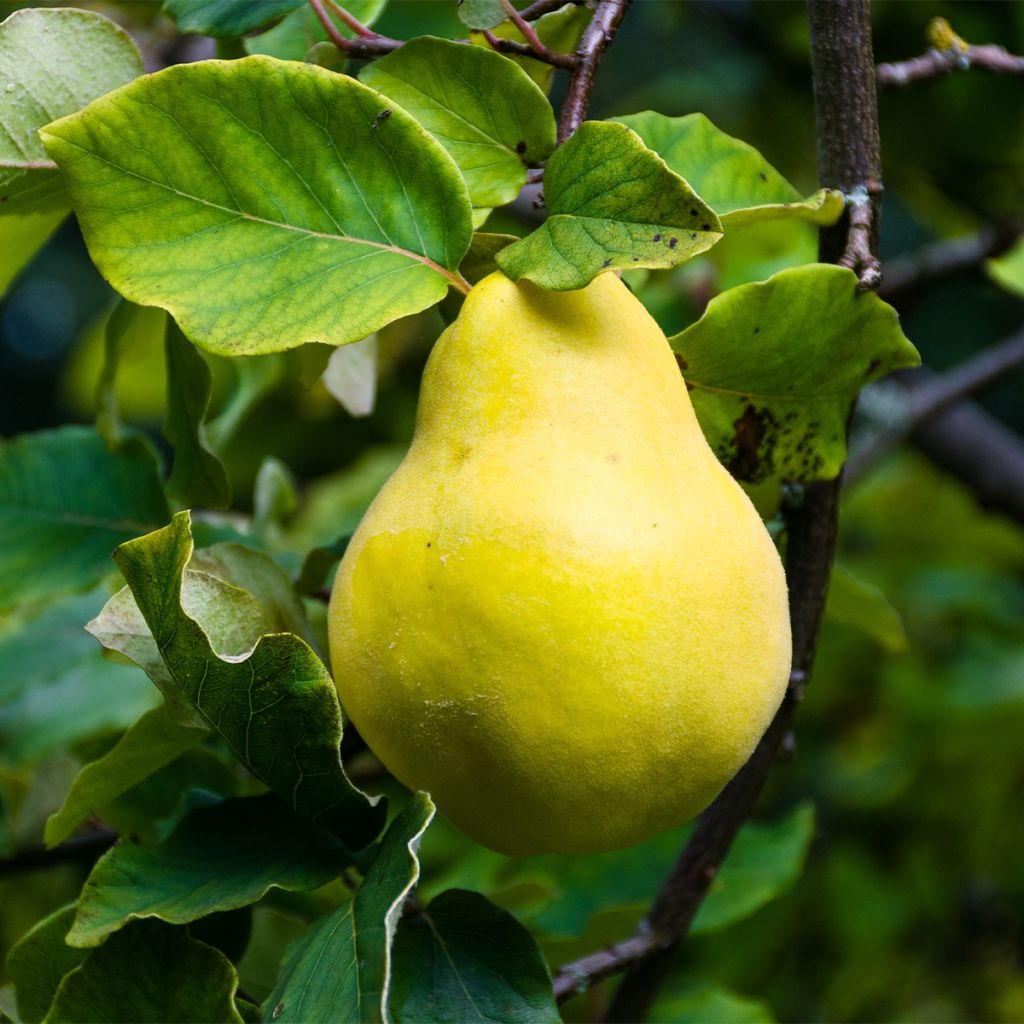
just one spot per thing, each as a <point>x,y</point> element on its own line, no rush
<point>541,7</point>
<point>594,41</point>
<point>848,158</point>
<point>937,62</point>
<point>981,453</point>
<point>929,395</point>
<point>945,258</point>
<point>79,850</point>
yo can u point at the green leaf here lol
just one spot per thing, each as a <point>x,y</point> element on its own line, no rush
<point>481,14</point>
<point>302,36</point>
<point>351,376</point>
<point>154,740</point>
<point>52,62</point>
<point>227,18</point>
<point>1008,270</point>
<point>480,106</point>
<point>861,605</point>
<point>39,961</point>
<point>149,974</point>
<point>276,697</point>
<point>66,502</point>
<point>764,861</point>
<point>219,858</point>
<point>612,204</point>
<point>197,476</point>
<point>128,326</point>
<point>465,959</point>
<point>696,1003</point>
<point>558,30</point>
<point>730,176</point>
<point>355,939</point>
<point>317,565</point>
<point>256,377</point>
<point>267,206</point>
<point>274,497</point>
<point>480,260</point>
<point>774,367</point>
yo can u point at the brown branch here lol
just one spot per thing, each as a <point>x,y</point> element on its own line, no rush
<point>929,395</point>
<point>352,21</point>
<point>937,62</point>
<point>945,258</point>
<point>981,453</point>
<point>541,7</point>
<point>848,157</point>
<point>595,39</point>
<point>79,850</point>
<point>859,252</point>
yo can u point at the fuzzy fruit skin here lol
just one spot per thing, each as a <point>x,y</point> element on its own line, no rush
<point>561,616</point>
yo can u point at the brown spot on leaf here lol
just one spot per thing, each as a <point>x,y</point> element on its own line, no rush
<point>750,431</point>
<point>520,147</point>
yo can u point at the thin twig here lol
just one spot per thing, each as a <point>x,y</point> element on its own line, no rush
<point>369,46</point>
<point>595,39</point>
<point>859,253</point>
<point>936,63</point>
<point>525,28</point>
<point>78,850</point>
<point>945,258</point>
<point>353,22</point>
<point>932,394</point>
<point>541,7</point>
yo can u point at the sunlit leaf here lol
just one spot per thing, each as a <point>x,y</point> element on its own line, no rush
<point>1008,270</point>
<point>612,204</point>
<point>263,203</point>
<point>351,376</point>
<point>479,105</point>
<point>52,62</point>
<point>481,14</point>
<point>729,175</point>
<point>773,369</point>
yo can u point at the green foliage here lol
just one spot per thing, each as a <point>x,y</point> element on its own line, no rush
<point>52,62</point>
<point>857,603</point>
<point>219,858</point>
<point>38,963</point>
<point>149,973</point>
<point>298,34</point>
<point>1008,270</point>
<point>729,175</point>
<point>488,114</point>
<point>272,695</point>
<point>774,367</point>
<point>227,18</point>
<point>463,959</point>
<point>481,14</point>
<point>612,204</point>
<point>197,476</point>
<point>364,221</point>
<point>66,501</point>
<point>356,939</point>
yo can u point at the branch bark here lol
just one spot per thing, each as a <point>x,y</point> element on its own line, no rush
<point>594,41</point>
<point>848,158</point>
<point>79,850</point>
<point>936,63</point>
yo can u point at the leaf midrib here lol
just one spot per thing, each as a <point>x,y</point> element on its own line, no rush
<point>308,232</point>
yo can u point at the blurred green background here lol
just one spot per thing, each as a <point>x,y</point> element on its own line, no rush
<point>910,744</point>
